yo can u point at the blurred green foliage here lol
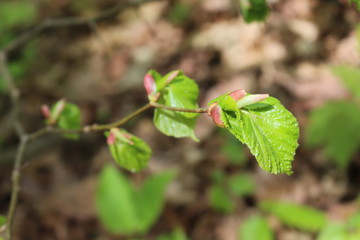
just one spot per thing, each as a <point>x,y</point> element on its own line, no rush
<point>16,15</point>
<point>126,209</point>
<point>177,234</point>
<point>2,220</point>
<point>254,10</point>
<point>231,148</point>
<point>357,2</point>
<point>336,126</point>
<point>179,13</point>
<point>255,227</point>
<point>226,188</point>
<point>302,217</point>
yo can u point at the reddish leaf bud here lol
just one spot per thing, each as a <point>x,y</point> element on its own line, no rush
<point>237,94</point>
<point>111,138</point>
<point>149,84</point>
<point>45,110</point>
<point>214,112</point>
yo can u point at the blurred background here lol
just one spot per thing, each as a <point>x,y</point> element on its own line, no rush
<point>305,53</point>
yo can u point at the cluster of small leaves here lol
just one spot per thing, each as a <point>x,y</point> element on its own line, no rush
<point>125,209</point>
<point>342,117</point>
<point>225,189</point>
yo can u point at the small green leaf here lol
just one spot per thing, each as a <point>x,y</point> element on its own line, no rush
<point>150,198</point>
<point>115,202</point>
<point>177,234</point>
<point>220,199</point>
<point>269,130</point>
<point>181,92</point>
<point>254,10</point>
<point>256,228</point>
<point>294,215</point>
<point>241,185</point>
<point>350,76</point>
<point>129,151</point>
<point>336,126</point>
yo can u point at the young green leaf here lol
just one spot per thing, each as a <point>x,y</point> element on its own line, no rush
<point>66,116</point>
<point>350,77</point>
<point>115,202</point>
<point>294,215</point>
<point>129,151</point>
<point>254,10</point>
<point>177,234</point>
<point>256,227</point>
<point>267,128</point>
<point>336,126</point>
<point>176,90</point>
<point>152,194</point>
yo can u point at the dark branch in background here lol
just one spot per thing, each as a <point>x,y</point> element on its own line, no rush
<point>71,21</point>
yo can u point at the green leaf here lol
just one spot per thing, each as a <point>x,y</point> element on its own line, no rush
<point>129,151</point>
<point>16,13</point>
<point>267,128</point>
<point>350,76</point>
<point>177,234</point>
<point>302,217</point>
<point>254,10</point>
<point>115,202</point>
<point>220,200</point>
<point>2,220</point>
<point>333,231</point>
<point>124,209</point>
<point>152,194</point>
<point>256,228</point>
<point>181,92</point>
<point>241,185</point>
<point>336,126</point>
<point>357,2</point>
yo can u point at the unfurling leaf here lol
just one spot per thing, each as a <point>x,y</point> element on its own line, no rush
<point>176,90</point>
<point>264,125</point>
<point>129,151</point>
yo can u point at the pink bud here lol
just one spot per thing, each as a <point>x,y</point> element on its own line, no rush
<point>214,112</point>
<point>251,99</point>
<point>237,94</point>
<point>149,84</point>
<point>45,111</point>
<point>111,138</point>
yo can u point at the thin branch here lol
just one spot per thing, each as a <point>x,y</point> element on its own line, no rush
<point>190,110</point>
<point>15,185</point>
